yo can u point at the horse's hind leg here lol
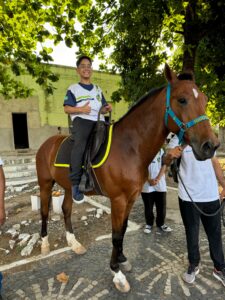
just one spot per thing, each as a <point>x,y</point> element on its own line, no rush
<point>45,195</point>
<point>67,210</point>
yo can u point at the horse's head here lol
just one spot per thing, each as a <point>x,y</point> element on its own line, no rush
<point>185,114</point>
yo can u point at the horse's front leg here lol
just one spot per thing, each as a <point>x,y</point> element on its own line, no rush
<point>118,259</point>
<point>123,261</point>
<point>70,237</point>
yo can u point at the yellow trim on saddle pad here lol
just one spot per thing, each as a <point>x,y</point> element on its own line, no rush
<point>104,157</point>
<point>62,165</point>
<point>107,149</point>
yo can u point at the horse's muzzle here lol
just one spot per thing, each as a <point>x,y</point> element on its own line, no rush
<point>206,151</point>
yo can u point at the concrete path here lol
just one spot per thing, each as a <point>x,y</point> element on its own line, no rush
<point>158,261</point>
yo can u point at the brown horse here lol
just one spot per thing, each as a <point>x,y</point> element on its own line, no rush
<point>137,137</point>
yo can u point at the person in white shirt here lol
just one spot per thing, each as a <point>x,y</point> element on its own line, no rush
<point>82,103</point>
<point>154,193</point>
<point>200,179</point>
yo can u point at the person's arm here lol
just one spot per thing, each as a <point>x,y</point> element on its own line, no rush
<point>172,154</point>
<point>107,107</point>
<point>70,105</point>
<point>161,173</point>
<point>2,196</point>
<point>219,175</point>
<point>85,109</point>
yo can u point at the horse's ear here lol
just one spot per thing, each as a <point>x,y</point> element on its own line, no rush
<point>170,75</point>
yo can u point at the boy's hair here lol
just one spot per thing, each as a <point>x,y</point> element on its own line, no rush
<point>81,58</point>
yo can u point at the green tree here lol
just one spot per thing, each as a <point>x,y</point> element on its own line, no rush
<point>140,31</point>
<point>24,24</point>
<point>189,34</point>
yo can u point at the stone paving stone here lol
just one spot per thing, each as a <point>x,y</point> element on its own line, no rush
<point>158,262</point>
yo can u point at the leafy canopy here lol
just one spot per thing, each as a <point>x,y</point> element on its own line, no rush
<point>188,34</point>
<point>24,25</point>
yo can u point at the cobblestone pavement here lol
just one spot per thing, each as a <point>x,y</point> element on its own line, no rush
<point>158,261</point>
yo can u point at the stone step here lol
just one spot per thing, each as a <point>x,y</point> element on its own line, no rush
<point>17,160</point>
<point>20,174</point>
<point>20,180</point>
<point>18,152</point>
<point>19,167</point>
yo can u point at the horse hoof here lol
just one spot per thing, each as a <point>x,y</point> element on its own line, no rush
<point>121,282</point>
<point>123,288</point>
<point>79,250</point>
<point>125,266</point>
<point>45,251</point>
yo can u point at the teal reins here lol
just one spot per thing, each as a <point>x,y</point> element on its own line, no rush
<point>183,126</point>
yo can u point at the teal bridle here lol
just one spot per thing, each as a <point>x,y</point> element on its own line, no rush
<point>183,126</point>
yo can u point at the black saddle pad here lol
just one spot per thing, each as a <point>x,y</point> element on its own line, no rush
<point>64,152</point>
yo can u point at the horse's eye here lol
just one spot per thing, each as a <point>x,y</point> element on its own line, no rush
<point>182,101</point>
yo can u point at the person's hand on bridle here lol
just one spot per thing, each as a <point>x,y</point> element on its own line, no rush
<point>172,154</point>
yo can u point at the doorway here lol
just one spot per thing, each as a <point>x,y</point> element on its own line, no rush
<point>20,131</point>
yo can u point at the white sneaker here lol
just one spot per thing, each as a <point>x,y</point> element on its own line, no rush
<point>189,276</point>
<point>165,228</point>
<point>148,229</point>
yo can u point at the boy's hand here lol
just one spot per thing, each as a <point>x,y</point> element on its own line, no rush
<point>86,109</point>
<point>107,108</point>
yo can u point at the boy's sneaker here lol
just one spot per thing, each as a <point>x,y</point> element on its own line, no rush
<point>148,229</point>
<point>77,196</point>
<point>165,228</point>
<point>189,276</point>
<point>220,275</point>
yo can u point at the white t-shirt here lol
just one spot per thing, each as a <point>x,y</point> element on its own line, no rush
<point>83,96</point>
<point>153,170</point>
<point>198,176</point>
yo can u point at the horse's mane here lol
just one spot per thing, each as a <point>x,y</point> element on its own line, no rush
<point>152,92</point>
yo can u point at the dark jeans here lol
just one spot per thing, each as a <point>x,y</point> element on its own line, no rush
<point>212,226</point>
<point>159,199</point>
<point>81,131</point>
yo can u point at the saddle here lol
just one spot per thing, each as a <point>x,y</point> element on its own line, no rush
<point>95,154</point>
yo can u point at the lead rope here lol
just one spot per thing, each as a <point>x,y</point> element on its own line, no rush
<point>221,209</point>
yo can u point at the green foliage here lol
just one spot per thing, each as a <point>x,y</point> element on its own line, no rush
<point>145,34</point>
<point>188,34</point>
<point>24,24</point>
<point>133,28</point>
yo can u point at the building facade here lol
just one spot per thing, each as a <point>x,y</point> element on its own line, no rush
<point>27,123</point>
